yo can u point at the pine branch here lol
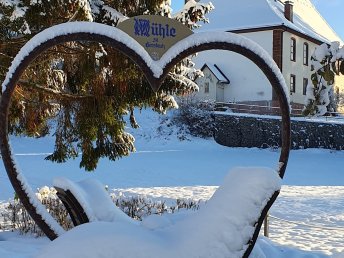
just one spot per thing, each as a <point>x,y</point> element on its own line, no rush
<point>75,14</point>
<point>5,55</point>
<point>54,92</point>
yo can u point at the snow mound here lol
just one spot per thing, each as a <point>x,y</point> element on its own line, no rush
<point>221,228</point>
<point>94,199</point>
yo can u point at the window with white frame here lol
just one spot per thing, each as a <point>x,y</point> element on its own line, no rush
<point>305,83</point>
<point>206,87</point>
<point>292,83</point>
<point>305,53</point>
<point>293,49</point>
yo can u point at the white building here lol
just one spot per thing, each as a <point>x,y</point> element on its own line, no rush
<point>288,30</point>
<point>213,83</point>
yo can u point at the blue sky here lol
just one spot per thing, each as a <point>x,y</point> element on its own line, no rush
<point>331,10</point>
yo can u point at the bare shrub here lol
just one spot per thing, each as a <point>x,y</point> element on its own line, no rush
<point>15,217</point>
<point>196,117</point>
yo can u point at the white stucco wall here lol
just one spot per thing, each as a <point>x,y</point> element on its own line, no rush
<point>297,68</point>
<point>339,83</point>
<point>208,78</point>
<point>263,38</point>
<point>216,89</point>
<point>247,82</point>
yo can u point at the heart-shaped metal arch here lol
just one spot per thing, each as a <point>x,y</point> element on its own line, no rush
<point>155,72</point>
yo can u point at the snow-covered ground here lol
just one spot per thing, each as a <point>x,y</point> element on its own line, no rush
<point>306,221</point>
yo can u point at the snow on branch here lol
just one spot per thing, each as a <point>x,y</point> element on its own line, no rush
<point>113,14</point>
<point>194,12</point>
<point>327,61</point>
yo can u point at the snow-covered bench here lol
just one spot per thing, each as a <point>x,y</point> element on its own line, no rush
<point>87,201</point>
<point>226,226</point>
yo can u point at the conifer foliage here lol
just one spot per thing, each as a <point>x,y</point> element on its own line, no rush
<point>81,91</point>
<point>327,62</point>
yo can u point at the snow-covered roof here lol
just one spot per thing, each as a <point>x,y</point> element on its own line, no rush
<point>232,15</point>
<point>217,72</point>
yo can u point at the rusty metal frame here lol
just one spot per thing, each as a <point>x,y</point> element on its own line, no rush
<point>6,152</point>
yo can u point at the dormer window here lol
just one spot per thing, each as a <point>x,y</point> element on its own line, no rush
<point>293,49</point>
<point>305,53</point>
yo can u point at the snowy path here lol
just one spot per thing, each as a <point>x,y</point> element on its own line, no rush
<point>321,208</point>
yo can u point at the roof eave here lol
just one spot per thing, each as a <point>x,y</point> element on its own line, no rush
<point>280,27</point>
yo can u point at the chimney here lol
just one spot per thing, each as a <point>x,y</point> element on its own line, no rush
<point>288,10</point>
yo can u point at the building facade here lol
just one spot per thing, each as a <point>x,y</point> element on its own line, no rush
<point>288,30</point>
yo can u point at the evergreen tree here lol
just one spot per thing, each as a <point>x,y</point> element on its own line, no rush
<point>81,91</point>
<point>327,62</point>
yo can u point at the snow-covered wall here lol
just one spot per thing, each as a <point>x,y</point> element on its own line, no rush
<point>243,130</point>
<point>247,82</point>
